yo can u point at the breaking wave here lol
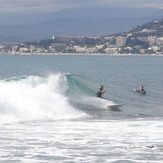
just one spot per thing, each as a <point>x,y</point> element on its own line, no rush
<point>31,97</point>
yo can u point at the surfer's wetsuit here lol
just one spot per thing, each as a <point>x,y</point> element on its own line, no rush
<point>141,90</point>
<point>99,93</point>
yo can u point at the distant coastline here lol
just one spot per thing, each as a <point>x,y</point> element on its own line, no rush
<point>91,54</point>
<point>146,39</point>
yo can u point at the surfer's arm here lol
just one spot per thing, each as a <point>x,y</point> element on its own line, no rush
<point>104,93</point>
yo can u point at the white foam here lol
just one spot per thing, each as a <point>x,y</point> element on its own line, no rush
<point>95,102</point>
<point>83,141</point>
<point>33,98</point>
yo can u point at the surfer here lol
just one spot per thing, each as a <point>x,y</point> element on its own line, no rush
<point>100,91</point>
<point>141,90</point>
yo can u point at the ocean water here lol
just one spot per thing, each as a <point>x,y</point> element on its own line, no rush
<point>49,111</point>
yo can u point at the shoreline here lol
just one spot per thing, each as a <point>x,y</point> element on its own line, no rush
<point>96,54</point>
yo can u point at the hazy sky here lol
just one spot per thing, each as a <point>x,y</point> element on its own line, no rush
<point>56,5</point>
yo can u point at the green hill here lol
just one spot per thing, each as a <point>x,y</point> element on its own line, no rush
<point>146,38</point>
<point>143,39</point>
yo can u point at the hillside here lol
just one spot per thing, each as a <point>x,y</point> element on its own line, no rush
<point>146,38</point>
<point>153,28</point>
<point>142,39</point>
<point>73,22</point>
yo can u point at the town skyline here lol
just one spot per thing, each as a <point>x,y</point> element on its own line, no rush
<point>144,39</point>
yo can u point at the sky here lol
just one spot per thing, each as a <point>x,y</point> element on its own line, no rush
<point>22,6</point>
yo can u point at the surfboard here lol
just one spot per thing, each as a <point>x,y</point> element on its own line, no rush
<point>139,92</point>
<point>116,106</point>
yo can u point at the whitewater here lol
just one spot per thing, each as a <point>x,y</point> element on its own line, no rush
<point>49,111</point>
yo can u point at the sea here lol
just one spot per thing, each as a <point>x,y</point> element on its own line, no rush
<point>49,112</point>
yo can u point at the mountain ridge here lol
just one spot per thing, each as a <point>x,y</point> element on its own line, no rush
<point>77,22</point>
<point>142,39</point>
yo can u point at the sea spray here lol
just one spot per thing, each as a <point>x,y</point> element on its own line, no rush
<point>35,98</point>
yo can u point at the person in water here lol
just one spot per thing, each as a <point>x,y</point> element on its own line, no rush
<point>100,91</point>
<point>141,90</point>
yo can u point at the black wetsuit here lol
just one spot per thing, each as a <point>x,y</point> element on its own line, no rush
<point>99,93</point>
<point>141,91</point>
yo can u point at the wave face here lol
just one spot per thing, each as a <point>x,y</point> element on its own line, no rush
<point>82,93</point>
<point>29,98</point>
